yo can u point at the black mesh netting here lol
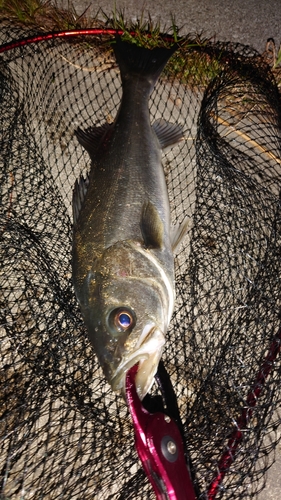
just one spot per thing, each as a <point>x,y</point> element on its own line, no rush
<point>64,433</point>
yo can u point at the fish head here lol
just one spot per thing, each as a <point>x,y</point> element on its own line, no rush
<point>127,313</point>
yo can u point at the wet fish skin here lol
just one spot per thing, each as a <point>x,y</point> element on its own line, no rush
<point>123,264</point>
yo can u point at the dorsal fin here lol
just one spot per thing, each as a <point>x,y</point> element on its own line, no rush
<point>91,138</point>
<point>178,232</point>
<point>152,227</point>
<point>79,193</point>
<point>167,133</point>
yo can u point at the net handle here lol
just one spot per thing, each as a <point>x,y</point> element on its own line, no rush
<point>237,435</point>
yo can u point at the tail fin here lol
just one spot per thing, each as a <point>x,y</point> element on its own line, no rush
<point>139,61</point>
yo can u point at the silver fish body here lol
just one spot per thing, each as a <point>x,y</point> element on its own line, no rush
<point>123,264</point>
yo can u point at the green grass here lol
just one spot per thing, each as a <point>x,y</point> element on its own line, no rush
<point>23,11</point>
<point>191,64</point>
<point>277,67</point>
<point>143,32</point>
<point>44,15</point>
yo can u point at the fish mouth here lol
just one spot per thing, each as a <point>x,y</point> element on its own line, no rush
<point>148,353</point>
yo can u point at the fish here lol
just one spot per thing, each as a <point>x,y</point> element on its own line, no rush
<point>123,243</point>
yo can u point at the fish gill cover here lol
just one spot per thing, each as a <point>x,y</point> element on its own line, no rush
<point>64,433</point>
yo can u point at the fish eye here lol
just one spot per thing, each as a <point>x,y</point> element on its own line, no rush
<point>124,320</point>
<point>121,320</point>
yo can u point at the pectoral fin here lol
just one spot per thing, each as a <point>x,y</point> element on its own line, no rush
<point>152,227</point>
<point>79,193</point>
<point>167,133</point>
<point>91,138</point>
<point>178,232</point>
